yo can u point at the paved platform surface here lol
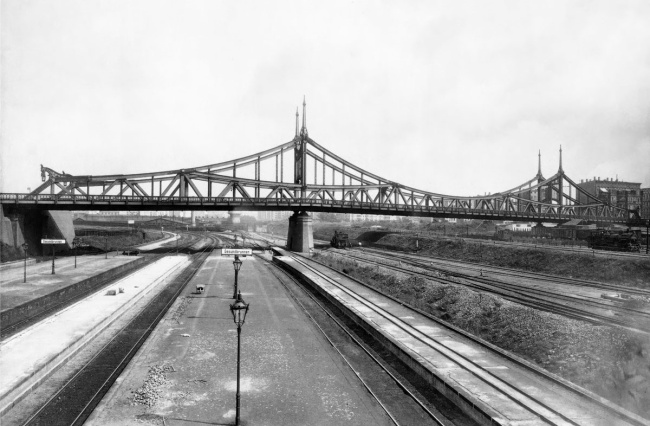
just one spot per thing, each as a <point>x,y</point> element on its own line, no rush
<point>41,346</point>
<point>40,280</point>
<point>290,375</point>
<point>16,264</point>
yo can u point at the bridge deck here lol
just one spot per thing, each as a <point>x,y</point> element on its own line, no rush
<point>26,202</point>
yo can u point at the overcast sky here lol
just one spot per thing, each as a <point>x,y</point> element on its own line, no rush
<point>453,97</point>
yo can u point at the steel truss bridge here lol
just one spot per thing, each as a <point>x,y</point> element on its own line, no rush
<point>302,175</point>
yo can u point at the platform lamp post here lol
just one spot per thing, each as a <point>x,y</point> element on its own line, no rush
<point>52,245</point>
<point>106,246</point>
<point>75,244</point>
<point>237,265</point>
<point>25,246</point>
<point>239,310</point>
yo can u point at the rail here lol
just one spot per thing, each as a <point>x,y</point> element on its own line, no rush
<point>542,407</point>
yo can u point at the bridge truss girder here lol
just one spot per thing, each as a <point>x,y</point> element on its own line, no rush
<point>318,180</point>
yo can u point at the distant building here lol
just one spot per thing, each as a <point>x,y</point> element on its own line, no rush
<point>645,203</point>
<point>626,195</point>
<point>520,227</point>
<point>271,216</point>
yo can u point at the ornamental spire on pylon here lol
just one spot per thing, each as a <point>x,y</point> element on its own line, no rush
<point>303,130</point>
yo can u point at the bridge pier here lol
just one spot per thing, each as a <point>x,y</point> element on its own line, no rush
<point>32,225</point>
<point>300,237</point>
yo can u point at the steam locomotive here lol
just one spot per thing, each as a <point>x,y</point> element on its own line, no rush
<point>614,241</point>
<point>340,240</point>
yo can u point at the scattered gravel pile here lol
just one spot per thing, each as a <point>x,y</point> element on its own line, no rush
<point>185,301</point>
<point>149,393</point>
<point>609,361</point>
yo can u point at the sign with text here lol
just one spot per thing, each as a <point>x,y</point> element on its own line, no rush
<point>131,222</point>
<point>51,241</point>
<point>235,251</point>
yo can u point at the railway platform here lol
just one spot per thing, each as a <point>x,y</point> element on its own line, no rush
<point>40,281</point>
<point>185,374</point>
<point>492,386</point>
<point>29,356</point>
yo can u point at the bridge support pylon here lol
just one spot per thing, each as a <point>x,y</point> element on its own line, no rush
<point>300,237</point>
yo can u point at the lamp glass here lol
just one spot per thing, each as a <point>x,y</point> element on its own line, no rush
<point>239,310</point>
<point>237,264</point>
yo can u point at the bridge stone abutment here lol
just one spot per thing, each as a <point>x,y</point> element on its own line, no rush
<point>30,226</point>
<point>300,237</point>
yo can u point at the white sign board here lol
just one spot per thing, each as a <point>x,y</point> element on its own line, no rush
<point>239,252</point>
<point>131,222</point>
<point>51,241</point>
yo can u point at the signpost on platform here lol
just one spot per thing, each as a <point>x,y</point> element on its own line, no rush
<point>51,242</point>
<point>236,263</point>
<point>236,252</point>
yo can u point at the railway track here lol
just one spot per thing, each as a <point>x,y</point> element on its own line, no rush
<point>567,249</point>
<point>77,398</point>
<point>503,387</point>
<point>594,310</point>
<point>8,331</point>
<point>374,382</point>
<point>442,263</point>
